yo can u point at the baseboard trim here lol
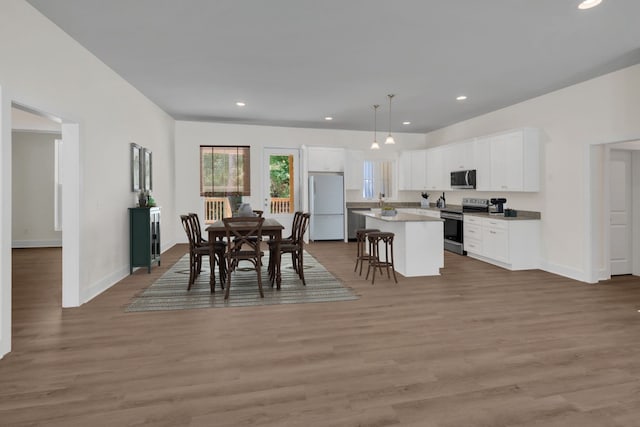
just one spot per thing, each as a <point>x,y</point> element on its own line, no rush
<point>563,270</point>
<point>108,281</point>
<point>102,285</point>
<point>21,244</point>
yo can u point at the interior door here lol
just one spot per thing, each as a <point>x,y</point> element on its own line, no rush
<point>281,185</point>
<point>620,212</point>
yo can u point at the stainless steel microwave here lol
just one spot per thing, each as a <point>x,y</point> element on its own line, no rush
<point>463,179</point>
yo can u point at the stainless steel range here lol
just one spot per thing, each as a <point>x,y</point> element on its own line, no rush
<point>454,223</point>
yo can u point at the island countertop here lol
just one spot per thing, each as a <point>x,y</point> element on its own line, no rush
<point>399,217</point>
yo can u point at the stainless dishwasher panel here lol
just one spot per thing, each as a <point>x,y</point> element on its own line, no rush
<point>355,221</point>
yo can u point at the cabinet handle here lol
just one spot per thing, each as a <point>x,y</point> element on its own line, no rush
<point>492,232</point>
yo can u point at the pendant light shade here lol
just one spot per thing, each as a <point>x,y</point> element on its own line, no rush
<point>374,144</point>
<point>390,139</point>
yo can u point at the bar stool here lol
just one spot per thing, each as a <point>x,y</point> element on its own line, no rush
<point>377,239</point>
<point>361,238</point>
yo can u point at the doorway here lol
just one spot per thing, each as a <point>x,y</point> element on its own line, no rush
<point>620,212</point>
<point>281,185</point>
<point>70,180</point>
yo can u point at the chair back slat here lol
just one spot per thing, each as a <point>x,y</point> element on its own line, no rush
<point>250,234</point>
<point>197,230</point>
<point>303,223</point>
<point>188,228</point>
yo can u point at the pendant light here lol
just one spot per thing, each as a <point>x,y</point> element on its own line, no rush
<point>390,139</point>
<point>374,144</point>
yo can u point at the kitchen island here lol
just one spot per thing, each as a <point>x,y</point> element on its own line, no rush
<point>418,242</point>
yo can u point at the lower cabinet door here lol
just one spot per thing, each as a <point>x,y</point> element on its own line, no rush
<point>495,244</point>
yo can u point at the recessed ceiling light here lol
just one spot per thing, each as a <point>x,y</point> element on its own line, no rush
<point>240,104</point>
<point>328,118</point>
<point>588,4</point>
<point>406,123</point>
<point>461,98</point>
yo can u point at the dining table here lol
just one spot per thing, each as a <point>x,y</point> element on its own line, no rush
<point>270,228</point>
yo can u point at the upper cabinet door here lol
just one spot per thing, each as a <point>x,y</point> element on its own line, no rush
<point>354,170</point>
<point>515,161</point>
<point>412,174</point>
<point>404,171</point>
<point>325,159</point>
<point>460,156</point>
<point>419,170</point>
<point>438,176</point>
<point>507,162</point>
<point>483,166</point>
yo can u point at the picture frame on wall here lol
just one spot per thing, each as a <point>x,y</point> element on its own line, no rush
<point>148,169</point>
<point>136,167</point>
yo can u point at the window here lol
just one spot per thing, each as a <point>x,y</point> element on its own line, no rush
<point>225,171</point>
<point>378,179</point>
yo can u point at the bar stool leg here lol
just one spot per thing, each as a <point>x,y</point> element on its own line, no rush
<point>393,267</point>
<point>359,252</point>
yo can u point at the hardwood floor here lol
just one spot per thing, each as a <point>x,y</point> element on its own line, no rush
<point>476,346</point>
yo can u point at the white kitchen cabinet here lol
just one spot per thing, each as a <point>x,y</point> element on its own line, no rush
<point>325,159</point>
<point>354,170</point>
<point>509,161</point>
<point>419,170</point>
<point>482,157</point>
<point>472,234</point>
<point>404,170</point>
<point>495,240</point>
<point>511,244</point>
<point>437,177</point>
<point>412,173</point>
<point>460,156</point>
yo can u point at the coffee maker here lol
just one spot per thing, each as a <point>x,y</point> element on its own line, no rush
<point>498,204</point>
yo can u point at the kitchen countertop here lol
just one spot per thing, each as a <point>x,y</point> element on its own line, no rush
<point>399,217</point>
<point>522,215</point>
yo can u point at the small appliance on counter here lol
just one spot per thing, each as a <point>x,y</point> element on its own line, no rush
<point>498,205</point>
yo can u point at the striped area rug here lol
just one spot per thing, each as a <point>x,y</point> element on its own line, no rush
<point>169,292</point>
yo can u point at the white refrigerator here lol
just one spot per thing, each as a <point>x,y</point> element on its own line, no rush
<point>326,205</point>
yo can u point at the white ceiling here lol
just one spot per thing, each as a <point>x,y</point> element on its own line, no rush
<point>296,61</point>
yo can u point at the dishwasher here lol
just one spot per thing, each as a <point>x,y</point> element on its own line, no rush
<point>355,221</point>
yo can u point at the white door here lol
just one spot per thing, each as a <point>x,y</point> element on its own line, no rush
<point>281,185</point>
<point>620,212</point>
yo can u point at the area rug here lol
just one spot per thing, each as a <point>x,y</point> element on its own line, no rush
<point>169,292</point>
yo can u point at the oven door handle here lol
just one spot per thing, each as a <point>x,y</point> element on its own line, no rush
<point>447,215</point>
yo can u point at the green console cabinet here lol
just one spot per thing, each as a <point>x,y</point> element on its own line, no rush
<point>144,237</point>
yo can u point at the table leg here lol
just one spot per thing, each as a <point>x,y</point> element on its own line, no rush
<point>278,259</point>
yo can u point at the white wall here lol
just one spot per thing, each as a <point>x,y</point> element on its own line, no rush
<point>43,68</point>
<point>190,135</point>
<point>33,185</point>
<point>601,110</point>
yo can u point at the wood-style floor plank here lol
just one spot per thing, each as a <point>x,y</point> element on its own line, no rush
<point>476,346</point>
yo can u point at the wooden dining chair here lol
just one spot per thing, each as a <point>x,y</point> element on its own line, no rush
<point>244,237</point>
<point>295,247</point>
<point>219,248</point>
<point>196,253</point>
<point>297,217</point>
